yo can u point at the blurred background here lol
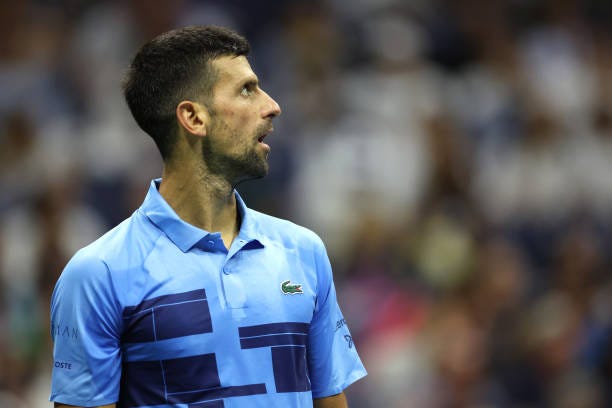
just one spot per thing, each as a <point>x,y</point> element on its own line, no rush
<point>455,156</point>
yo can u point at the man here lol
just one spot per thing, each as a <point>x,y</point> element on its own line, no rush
<point>196,300</point>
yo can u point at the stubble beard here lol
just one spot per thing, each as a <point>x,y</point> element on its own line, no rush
<point>249,164</point>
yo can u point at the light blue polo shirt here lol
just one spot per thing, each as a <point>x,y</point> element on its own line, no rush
<point>158,313</point>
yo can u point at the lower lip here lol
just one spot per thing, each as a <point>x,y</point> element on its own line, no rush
<point>265,146</point>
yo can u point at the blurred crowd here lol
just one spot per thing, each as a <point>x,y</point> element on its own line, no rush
<point>455,156</point>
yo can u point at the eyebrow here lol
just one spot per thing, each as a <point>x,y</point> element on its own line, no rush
<point>251,81</point>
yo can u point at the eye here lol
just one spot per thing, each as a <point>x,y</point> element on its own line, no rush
<point>246,91</point>
<point>248,88</point>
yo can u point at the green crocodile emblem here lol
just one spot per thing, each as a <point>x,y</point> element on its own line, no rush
<point>291,289</point>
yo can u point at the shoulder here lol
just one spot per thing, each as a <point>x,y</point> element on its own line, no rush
<point>129,240</point>
<point>96,277</point>
<point>127,243</point>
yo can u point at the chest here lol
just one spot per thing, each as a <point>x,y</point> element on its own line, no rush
<point>175,295</point>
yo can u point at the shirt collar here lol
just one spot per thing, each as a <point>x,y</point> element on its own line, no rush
<point>186,236</point>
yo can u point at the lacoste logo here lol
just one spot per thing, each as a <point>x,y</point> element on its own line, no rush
<point>291,289</point>
<point>349,340</point>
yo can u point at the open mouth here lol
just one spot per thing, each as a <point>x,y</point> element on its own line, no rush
<point>263,136</point>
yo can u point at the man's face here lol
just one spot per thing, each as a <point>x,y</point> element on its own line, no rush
<point>241,116</point>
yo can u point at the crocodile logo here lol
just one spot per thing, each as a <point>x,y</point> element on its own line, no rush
<point>291,289</point>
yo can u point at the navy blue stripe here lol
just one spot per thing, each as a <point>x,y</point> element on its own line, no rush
<point>209,404</point>
<point>274,340</point>
<point>197,294</point>
<point>139,328</point>
<point>142,383</point>
<point>273,328</point>
<point>290,369</point>
<point>167,321</point>
<point>191,373</point>
<point>217,393</point>
<point>187,380</point>
<point>183,319</point>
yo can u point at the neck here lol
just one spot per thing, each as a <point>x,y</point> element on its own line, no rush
<point>201,199</point>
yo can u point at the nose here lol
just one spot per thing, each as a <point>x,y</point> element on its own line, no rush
<point>271,108</point>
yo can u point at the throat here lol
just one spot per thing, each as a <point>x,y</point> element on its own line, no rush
<point>203,205</point>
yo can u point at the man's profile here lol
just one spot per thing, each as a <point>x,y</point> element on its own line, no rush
<point>197,301</point>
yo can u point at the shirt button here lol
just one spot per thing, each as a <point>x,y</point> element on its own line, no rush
<point>211,244</point>
<point>226,270</point>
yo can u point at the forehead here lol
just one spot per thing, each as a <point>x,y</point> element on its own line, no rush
<point>232,70</point>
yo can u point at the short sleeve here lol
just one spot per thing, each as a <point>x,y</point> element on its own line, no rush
<point>85,327</point>
<point>333,360</point>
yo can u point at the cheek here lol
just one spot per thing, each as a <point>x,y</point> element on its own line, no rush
<point>241,112</point>
<point>228,113</point>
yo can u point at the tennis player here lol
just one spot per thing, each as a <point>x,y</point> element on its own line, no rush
<point>197,301</point>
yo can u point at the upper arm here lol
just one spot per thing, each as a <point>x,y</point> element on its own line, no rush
<point>85,327</point>
<point>335,401</point>
<point>332,358</point>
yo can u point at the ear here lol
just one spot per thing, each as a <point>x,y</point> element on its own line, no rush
<point>193,117</point>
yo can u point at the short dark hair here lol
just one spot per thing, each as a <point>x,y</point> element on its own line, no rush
<point>172,67</point>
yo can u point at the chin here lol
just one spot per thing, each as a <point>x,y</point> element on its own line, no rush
<point>259,168</point>
<point>253,172</point>
<point>261,174</point>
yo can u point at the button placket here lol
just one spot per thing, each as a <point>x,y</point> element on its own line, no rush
<point>234,288</point>
<point>235,292</point>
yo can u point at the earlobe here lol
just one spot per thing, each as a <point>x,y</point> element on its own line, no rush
<point>193,117</point>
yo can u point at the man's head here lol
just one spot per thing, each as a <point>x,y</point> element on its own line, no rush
<point>232,127</point>
<point>174,67</point>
